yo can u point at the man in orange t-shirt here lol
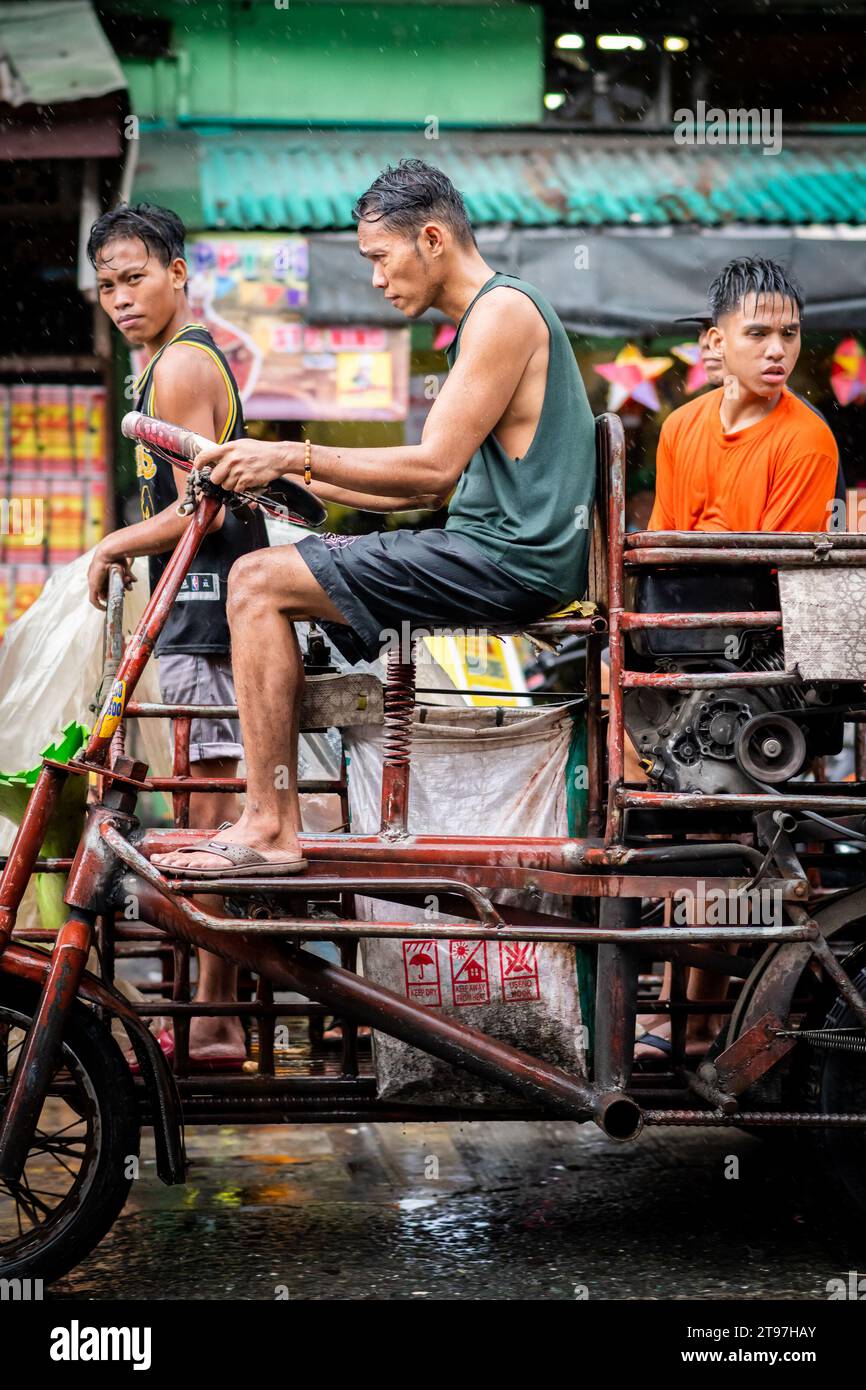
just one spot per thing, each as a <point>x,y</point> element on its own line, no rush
<point>750,456</point>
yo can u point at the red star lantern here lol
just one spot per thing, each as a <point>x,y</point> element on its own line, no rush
<point>848,372</point>
<point>631,376</point>
<point>696,377</point>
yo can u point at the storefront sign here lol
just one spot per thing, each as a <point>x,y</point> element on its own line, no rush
<point>251,292</point>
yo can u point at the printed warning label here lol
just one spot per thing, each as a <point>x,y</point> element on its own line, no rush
<point>518,969</point>
<point>470,982</point>
<point>421,969</point>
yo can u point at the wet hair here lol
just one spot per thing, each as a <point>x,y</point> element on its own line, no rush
<point>750,275</point>
<point>160,229</point>
<point>405,196</point>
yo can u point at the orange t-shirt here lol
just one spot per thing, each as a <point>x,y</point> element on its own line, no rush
<point>777,475</point>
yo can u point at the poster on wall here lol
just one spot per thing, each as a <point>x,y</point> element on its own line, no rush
<point>251,291</point>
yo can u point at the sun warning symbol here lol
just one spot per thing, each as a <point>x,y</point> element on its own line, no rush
<point>421,969</point>
<point>470,982</point>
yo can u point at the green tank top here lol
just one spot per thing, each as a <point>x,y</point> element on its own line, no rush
<point>532,515</point>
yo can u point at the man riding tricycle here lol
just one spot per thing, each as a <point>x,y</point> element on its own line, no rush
<point>505,968</point>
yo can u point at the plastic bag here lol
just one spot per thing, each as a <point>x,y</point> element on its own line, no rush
<point>50,668</point>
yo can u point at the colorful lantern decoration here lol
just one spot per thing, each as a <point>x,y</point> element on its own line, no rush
<point>631,377</point>
<point>848,372</point>
<point>696,377</point>
<point>445,335</point>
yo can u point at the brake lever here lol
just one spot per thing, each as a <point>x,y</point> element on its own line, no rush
<point>198,485</point>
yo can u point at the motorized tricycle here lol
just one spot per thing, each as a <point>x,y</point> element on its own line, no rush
<point>733,680</point>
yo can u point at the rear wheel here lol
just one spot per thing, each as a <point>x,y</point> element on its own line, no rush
<point>837,1082</point>
<point>84,1152</point>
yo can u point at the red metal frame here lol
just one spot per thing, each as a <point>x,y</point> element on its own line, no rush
<point>403,867</point>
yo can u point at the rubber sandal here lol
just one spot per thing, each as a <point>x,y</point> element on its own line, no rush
<point>231,1061</point>
<point>242,860</point>
<point>654,1040</point>
<point>165,1038</point>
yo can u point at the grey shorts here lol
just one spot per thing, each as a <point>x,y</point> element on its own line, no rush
<point>189,679</point>
<point>423,579</point>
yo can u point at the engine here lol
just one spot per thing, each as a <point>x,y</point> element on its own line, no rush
<point>728,739</point>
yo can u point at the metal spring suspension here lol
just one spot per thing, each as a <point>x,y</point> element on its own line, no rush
<point>399,703</point>
<point>827,1039</point>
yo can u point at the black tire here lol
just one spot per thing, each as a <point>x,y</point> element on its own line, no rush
<point>837,1082</point>
<point>92,1084</point>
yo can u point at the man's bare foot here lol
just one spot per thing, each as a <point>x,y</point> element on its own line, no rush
<point>216,1038</point>
<point>274,846</point>
<point>335,1032</point>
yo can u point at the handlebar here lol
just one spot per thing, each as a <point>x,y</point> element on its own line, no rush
<point>170,439</point>
<point>283,498</point>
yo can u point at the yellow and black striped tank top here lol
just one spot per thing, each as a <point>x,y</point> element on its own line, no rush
<point>197,622</point>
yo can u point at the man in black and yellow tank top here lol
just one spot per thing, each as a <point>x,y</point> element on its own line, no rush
<point>138,255</point>
<point>510,434</point>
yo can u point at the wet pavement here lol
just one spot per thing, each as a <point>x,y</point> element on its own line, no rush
<point>493,1210</point>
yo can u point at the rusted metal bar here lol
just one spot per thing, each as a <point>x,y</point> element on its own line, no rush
<point>709,680</point>
<point>111,776</point>
<point>787,559</point>
<point>719,1100</point>
<point>44,866</point>
<point>554,629</point>
<point>266,1013</point>
<point>599,879</point>
<point>555,852</point>
<point>579,885</point>
<point>249,1008</point>
<point>180,768</point>
<point>143,710</point>
<point>739,801</point>
<point>734,541</point>
<point>353,996</point>
<point>616,580</point>
<point>594,737</point>
<point>26,846</point>
<point>483,908</point>
<point>141,644</point>
<point>634,622</point>
<point>765,1119</point>
<point>38,1058</point>
<point>616,994</point>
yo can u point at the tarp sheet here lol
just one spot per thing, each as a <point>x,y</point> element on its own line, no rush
<point>621,282</point>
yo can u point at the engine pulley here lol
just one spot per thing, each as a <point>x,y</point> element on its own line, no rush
<point>771,748</point>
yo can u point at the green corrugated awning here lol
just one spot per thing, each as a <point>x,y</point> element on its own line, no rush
<point>309,180</point>
<point>54,52</point>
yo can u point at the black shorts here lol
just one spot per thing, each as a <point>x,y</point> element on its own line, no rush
<point>393,582</point>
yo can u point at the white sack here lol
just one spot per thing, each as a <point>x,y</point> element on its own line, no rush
<point>471,777</point>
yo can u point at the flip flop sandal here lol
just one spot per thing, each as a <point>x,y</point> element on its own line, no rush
<point>232,1061</point>
<point>165,1038</point>
<point>241,858</point>
<point>654,1040</point>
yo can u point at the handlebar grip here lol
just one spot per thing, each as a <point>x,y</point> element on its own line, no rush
<point>185,444</point>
